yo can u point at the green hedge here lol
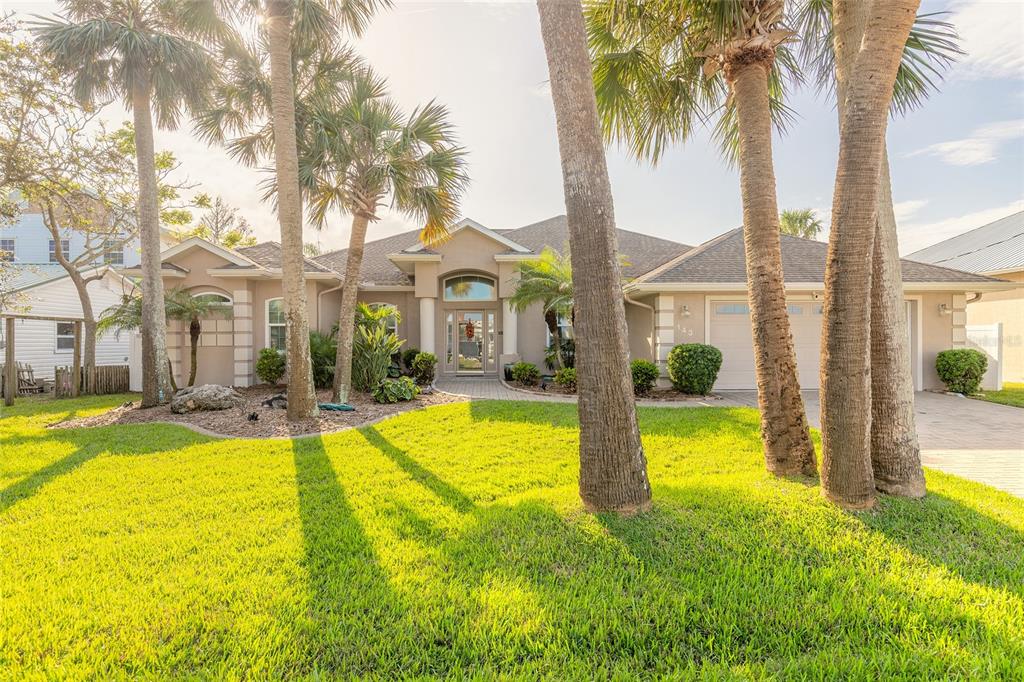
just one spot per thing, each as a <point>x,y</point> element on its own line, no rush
<point>566,378</point>
<point>645,375</point>
<point>693,367</point>
<point>961,369</point>
<point>424,368</point>
<point>270,366</point>
<point>526,373</point>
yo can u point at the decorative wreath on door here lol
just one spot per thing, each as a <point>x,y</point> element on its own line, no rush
<point>470,331</point>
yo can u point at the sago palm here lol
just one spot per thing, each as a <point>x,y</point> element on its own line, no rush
<point>547,281</point>
<point>152,55</point>
<point>658,67</point>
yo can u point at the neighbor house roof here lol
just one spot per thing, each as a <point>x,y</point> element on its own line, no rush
<point>641,252</point>
<point>722,260</point>
<point>993,248</point>
<point>28,275</point>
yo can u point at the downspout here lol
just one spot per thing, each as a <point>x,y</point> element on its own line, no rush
<point>319,304</point>
<point>977,297</point>
<point>654,317</point>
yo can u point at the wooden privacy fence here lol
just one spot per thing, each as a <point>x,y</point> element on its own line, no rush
<point>105,379</point>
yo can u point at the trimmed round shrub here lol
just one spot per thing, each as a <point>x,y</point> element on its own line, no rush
<point>645,375</point>
<point>526,373</point>
<point>424,367</point>
<point>408,355</point>
<point>961,369</point>
<point>693,367</point>
<point>395,390</point>
<point>566,378</point>
<point>270,366</point>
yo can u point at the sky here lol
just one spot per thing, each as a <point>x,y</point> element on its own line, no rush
<point>957,162</point>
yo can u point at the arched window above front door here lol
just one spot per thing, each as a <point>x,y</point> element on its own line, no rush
<point>470,288</point>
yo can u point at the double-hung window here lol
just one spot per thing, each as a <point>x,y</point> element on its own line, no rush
<point>65,246</point>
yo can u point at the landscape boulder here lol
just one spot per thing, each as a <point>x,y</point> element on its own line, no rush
<point>205,397</point>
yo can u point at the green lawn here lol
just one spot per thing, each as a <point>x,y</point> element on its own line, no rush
<point>1012,394</point>
<point>451,542</point>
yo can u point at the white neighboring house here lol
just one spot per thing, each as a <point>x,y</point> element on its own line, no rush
<point>46,289</point>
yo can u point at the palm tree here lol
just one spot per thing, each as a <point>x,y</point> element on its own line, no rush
<point>613,468</point>
<point>548,281</point>
<point>932,46</point>
<point>151,55</point>
<point>657,67</point>
<point>800,223</point>
<point>363,155</point>
<point>179,304</point>
<point>293,33</point>
<point>868,78</point>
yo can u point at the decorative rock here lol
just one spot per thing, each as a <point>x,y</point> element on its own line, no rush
<point>279,402</point>
<point>205,397</point>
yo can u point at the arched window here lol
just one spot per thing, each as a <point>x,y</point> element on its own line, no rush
<point>275,324</point>
<point>469,288</point>
<point>392,323</point>
<point>212,297</point>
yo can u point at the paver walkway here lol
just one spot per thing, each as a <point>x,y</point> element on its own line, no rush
<point>971,438</point>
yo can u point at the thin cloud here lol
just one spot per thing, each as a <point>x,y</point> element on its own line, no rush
<point>978,148</point>
<point>914,237</point>
<point>991,33</point>
<point>905,210</point>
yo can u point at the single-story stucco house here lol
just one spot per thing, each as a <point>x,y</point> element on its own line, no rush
<point>997,250</point>
<point>453,300</point>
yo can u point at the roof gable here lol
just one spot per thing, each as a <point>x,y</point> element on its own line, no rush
<point>468,223</point>
<point>230,256</point>
<point>996,247</point>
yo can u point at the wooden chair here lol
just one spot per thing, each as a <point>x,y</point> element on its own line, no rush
<point>26,380</point>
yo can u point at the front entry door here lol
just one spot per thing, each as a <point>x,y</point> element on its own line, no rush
<point>469,330</point>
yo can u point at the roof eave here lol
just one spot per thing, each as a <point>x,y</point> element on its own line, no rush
<point>814,286</point>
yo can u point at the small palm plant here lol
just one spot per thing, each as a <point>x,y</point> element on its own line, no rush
<point>802,222</point>
<point>178,305</point>
<point>548,281</point>
<point>151,54</point>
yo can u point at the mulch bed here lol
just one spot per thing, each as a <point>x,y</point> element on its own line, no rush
<point>271,423</point>
<point>657,395</point>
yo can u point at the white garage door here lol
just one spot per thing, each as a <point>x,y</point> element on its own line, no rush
<point>730,333</point>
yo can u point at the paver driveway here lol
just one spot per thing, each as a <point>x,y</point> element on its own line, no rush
<point>971,438</point>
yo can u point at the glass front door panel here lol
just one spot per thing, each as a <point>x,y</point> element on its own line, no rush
<point>470,341</point>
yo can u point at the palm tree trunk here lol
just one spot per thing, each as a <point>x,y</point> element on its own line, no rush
<point>847,476</point>
<point>170,375</point>
<point>613,468</point>
<point>155,380</point>
<point>194,330</point>
<point>551,319</point>
<point>788,449</point>
<point>301,395</point>
<point>895,453</point>
<point>347,314</point>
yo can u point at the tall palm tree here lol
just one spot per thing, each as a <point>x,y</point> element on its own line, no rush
<point>151,54</point>
<point>847,471</point>
<point>362,155</point>
<point>800,223</point>
<point>613,468</point>
<point>931,47</point>
<point>548,281</point>
<point>657,67</point>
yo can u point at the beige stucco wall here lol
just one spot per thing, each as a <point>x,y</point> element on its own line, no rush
<point>1006,307</point>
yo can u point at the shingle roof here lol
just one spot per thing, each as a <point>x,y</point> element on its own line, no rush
<point>723,260</point>
<point>268,254</point>
<point>998,246</point>
<point>32,274</point>
<point>642,252</point>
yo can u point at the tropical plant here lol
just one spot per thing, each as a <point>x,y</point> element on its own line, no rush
<point>181,305</point>
<point>525,373</point>
<point>374,346</point>
<point>566,378</point>
<point>424,368</point>
<point>931,47</point>
<point>408,355</point>
<point>565,353</point>
<point>658,66</point>
<point>693,367</point>
<point>645,376</point>
<point>270,366</point>
<point>395,390</point>
<point>800,223</point>
<point>961,369</point>
<point>613,468</point>
<point>847,472</point>
<point>547,281</point>
<point>153,56</point>
<point>322,349</point>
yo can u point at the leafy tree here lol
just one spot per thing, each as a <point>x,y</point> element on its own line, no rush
<point>221,224</point>
<point>613,468</point>
<point>152,55</point>
<point>548,281</point>
<point>800,223</point>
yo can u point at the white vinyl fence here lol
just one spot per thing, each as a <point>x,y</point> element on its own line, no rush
<point>988,338</point>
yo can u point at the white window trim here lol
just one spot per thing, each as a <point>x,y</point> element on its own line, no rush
<point>12,252</point>
<point>492,280</point>
<point>266,320</point>
<point>561,327</point>
<point>210,292</point>
<point>57,336</point>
